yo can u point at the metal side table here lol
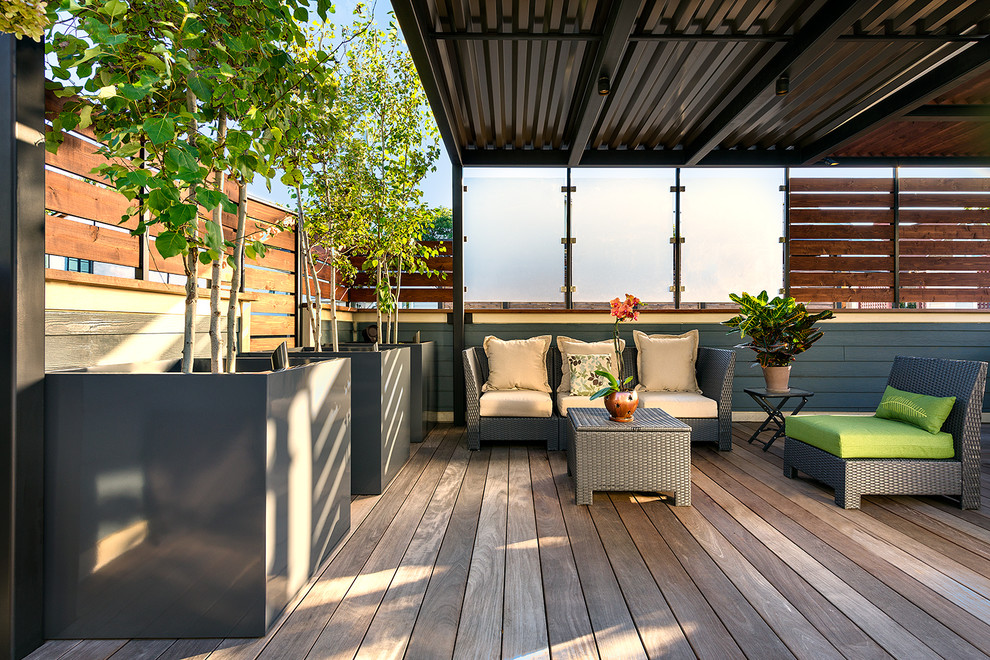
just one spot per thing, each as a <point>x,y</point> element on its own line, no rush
<point>775,418</point>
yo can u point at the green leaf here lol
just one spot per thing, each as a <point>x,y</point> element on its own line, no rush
<point>301,15</point>
<point>249,252</point>
<point>86,116</point>
<point>201,88</point>
<point>170,244</point>
<point>107,92</point>
<point>214,236</point>
<point>114,8</point>
<point>160,130</point>
<point>205,257</point>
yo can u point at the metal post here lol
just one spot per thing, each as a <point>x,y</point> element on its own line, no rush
<point>568,248</point>
<point>22,343</point>
<point>787,231</point>
<point>297,297</point>
<point>897,238</point>
<point>457,212</point>
<point>677,238</point>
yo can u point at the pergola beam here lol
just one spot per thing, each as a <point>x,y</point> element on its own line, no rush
<point>970,62</point>
<point>950,113</point>
<point>823,29</point>
<point>615,40</point>
<point>426,57</point>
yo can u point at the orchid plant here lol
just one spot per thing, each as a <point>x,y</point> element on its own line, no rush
<point>622,310</point>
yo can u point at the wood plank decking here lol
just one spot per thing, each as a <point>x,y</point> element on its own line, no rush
<point>484,555</point>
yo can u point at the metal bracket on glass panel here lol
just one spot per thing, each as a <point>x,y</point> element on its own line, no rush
<point>674,240</point>
<point>568,289</point>
<point>672,288</point>
<point>568,189</point>
<point>565,241</point>
<point>677,189</point>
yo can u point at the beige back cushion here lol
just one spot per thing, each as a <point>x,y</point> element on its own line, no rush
<point>568,346</point>
<point>517,364</point>
<point>666,362</point>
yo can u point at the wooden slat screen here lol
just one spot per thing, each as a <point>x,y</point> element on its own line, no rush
<point>84,222</point>
<point>415,287</point>
<point>944,240</point>
<point>842,240</point>
<point>843,237</point>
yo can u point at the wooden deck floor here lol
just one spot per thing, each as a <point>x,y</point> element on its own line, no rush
<point>485,554</point>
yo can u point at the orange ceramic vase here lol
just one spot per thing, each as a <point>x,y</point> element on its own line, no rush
<point>621,405</point>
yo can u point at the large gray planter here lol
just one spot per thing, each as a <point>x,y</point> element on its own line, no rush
<point>190,505</point>
<point>423,379</point>
<point>380,406</point>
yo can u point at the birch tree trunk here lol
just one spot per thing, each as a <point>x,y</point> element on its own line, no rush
<point>192,257</point>
<point>317,318</point>
<point>235,279</point>
<point>378,303</point>
<point>215,274</point>
<point>398,291</point>
<point>334,334</point>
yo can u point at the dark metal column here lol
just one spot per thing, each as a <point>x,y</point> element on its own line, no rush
<point>22,343</point>
<point>677,238</point>
<point>297,297</point>
<point>457,211</point>
<point>568,246</point>
<point>787,232</point>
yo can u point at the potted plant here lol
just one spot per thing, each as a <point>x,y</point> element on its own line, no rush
<point>620,399</point>
<point>778,330</point>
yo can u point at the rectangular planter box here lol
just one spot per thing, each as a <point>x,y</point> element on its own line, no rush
<point>380,406</point>
<point>190,505</point>
<point>422,398</point>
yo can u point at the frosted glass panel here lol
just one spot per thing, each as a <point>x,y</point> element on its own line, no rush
<point>623,221</point>
<point>732,221</point>
<point>514,220</point>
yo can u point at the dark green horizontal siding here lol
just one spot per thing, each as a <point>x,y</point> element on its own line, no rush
<point>847,369</point>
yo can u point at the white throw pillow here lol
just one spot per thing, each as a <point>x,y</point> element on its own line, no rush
<point>568,346</point>
<point>517,364</point>
<point>666,362</point>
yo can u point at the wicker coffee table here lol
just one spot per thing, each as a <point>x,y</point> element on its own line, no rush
<point>651,453</point>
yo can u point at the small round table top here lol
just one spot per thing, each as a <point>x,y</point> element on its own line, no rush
<point>764,392</point>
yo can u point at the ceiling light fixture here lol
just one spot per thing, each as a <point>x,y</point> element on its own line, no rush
<point>603,86</point>
<point>783,85</point>
<point>830,162</point>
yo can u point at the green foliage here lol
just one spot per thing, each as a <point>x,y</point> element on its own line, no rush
<point>442,227</point>
<point>613,384</point>
<point>155,81</point>
<point>23,18</point>
<point>778,329</point>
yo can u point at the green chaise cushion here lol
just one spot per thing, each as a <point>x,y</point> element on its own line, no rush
<point>849,436</point>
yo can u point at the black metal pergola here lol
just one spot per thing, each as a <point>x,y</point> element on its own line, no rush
<point>530,83</point>
<point>690,83</point>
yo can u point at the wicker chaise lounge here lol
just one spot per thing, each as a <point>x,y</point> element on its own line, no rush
<point>958,476</point>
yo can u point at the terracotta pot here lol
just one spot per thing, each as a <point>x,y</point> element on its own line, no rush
<point>621,405</point>
<point>777,378</point>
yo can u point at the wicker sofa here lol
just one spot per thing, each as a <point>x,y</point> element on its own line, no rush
<point>714,369</point>
<point>958,476</point>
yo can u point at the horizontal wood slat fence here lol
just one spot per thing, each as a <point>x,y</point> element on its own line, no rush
<point>885,242</point>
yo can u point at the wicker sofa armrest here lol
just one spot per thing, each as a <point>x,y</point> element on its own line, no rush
<point>715,368</point>
<point>473,380</point>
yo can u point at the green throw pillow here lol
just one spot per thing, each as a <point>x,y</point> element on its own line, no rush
<point>925,412</point>
<point>584,380</point>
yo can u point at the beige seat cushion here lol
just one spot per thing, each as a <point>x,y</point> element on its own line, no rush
<point>578,347</point>
<point>516,403</point>
<point>565,401</point>
<point>684,405</point>
<point>517,364</point>
<point>666,362</point>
